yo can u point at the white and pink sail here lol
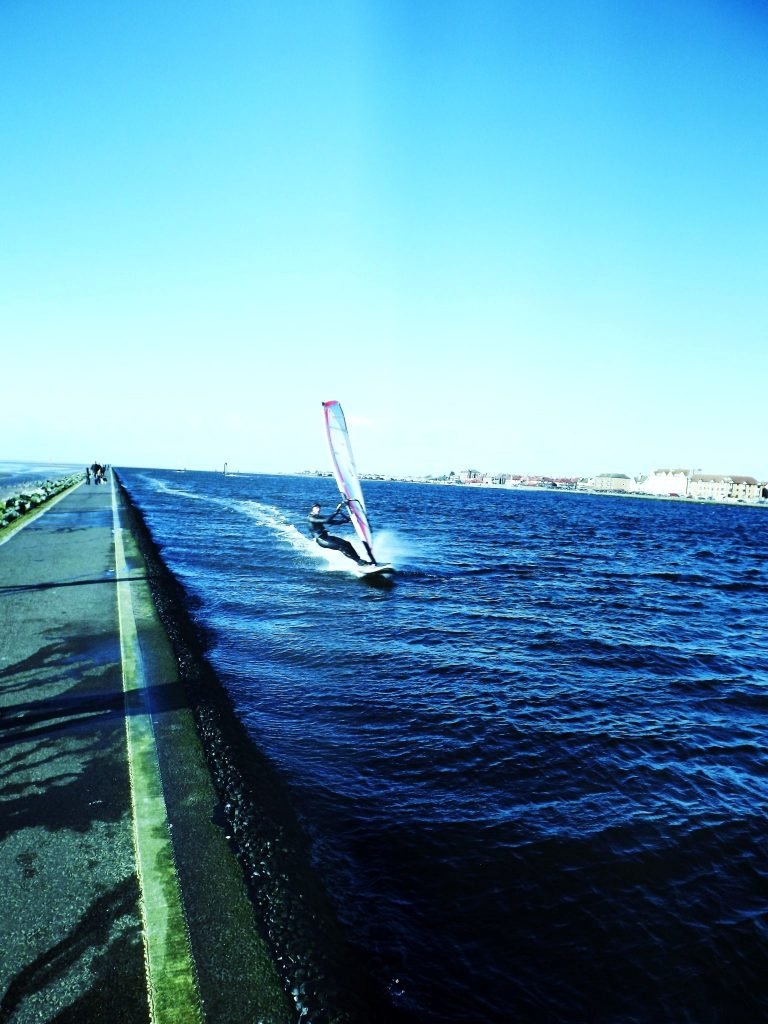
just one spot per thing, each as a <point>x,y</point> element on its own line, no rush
<point>346,473</point>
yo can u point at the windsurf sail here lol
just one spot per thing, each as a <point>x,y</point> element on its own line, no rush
<point>345,472</point>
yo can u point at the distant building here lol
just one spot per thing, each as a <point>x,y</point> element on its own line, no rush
<point>745,488</point>
<point>709,485</point>
<point>667,481</point>
<point>613,482</point>
<point>471,476</point>
<point>722,488</point>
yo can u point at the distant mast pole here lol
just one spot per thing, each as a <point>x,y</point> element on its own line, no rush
<point>225,469</point>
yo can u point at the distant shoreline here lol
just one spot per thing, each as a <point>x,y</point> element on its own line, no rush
<point>14,488</point>
<point>532,489</point>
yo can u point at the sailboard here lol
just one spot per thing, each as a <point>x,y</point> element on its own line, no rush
<point>345,472</point>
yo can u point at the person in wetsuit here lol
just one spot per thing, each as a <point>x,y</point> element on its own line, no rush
<point>318,524</point>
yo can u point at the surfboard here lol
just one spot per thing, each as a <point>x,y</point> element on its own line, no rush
<point>369,571</point>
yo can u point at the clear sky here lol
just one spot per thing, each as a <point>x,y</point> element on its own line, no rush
<point>529,237</point>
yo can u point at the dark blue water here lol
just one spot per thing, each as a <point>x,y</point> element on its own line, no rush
<point>533,770</point>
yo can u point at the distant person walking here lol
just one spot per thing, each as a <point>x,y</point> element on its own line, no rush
<point>88,475</point>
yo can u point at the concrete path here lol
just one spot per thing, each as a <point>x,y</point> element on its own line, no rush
<point>121,898</point>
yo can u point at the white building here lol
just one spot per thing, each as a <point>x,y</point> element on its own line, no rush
<point>667,481</point>
<point>472,476</point>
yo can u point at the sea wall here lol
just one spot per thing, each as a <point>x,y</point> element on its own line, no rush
<point>32,496</point>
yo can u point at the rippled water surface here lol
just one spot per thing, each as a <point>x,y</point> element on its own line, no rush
<point>533,770</point>
<point>15,476</point>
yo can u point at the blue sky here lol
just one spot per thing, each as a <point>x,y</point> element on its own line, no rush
<point>521,237</point>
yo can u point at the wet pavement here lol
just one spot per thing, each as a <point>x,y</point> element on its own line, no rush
<point>122,899</point>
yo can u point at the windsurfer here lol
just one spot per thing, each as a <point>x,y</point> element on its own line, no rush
<point>318,524</point>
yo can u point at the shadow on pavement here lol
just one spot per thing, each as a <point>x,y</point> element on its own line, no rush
<point>20,588</point>
<point>65,714</point>
<point>113,995</point>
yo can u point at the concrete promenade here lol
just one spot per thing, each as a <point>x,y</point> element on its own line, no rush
<point>121,898</point>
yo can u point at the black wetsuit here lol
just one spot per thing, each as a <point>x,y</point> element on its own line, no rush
<point>318,523</point>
